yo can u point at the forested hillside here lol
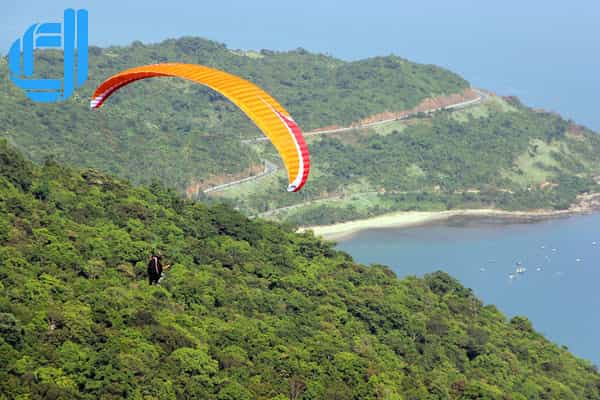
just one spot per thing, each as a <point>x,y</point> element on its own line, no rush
<point>250,310</point>
<point>498,154</point>
<point>179,132</point>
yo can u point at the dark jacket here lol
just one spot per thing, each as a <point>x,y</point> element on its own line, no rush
<point>155,270</point>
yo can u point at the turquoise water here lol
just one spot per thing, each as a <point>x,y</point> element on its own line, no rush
<point>562,299</point>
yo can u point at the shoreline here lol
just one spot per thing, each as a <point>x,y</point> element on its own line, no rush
<point>406,219</point>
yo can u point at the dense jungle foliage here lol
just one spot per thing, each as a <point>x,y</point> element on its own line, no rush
<point>178,132</point>
<point>250,310</point>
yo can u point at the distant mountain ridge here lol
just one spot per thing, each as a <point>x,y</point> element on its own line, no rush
<point>180,133</point>
<point>495,153</point>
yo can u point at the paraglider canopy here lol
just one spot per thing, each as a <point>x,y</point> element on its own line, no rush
<point>268,115</point>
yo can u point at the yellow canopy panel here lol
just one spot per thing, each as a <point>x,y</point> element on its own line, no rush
<point>268,115</point>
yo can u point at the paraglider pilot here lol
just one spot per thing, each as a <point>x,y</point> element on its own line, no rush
<point>155,268</point>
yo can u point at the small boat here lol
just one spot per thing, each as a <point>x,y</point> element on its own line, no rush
<point>594,243</point>
<point>521,270</point>
<point>554,249</point>
<point>481,269</point>
<point>578,259</point>
<point>511,276</point>
<point>542,246</point>
<point>538,269</point>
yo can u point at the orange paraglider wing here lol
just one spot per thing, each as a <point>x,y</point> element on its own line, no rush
<point>268,115</point>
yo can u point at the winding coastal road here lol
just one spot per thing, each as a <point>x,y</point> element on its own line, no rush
<point>271,168</point>
<point>481,97</point>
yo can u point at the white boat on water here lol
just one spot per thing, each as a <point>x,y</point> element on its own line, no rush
<point>538,269</point>
<point>511,276</point>
<point>521,270</point>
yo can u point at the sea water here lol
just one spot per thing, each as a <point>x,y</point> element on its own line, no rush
<point>559,291</point>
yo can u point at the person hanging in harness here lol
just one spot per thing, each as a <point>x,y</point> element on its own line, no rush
<point>155,269</point>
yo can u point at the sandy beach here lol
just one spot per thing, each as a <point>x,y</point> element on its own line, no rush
<point>406,219</point>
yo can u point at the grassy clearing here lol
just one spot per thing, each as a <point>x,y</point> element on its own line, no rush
<point>493,104</point>
<point>360,202</point>
<point>247,53</point>
<point>386,129</point>
<point>535,165</point>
